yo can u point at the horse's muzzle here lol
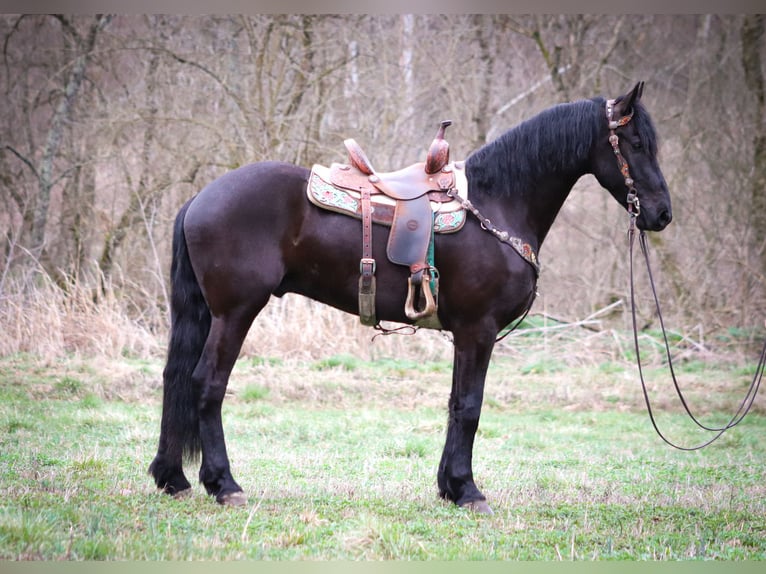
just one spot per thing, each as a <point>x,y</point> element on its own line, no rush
<point>656,223</point>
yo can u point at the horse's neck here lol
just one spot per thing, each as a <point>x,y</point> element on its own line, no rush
<point>527,188</point>
<point>530,212</point>
<point>545,201</point>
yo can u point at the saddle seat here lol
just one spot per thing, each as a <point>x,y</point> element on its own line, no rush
<point>413,201</point>
<point>404,184</point>
<point>414,180</point>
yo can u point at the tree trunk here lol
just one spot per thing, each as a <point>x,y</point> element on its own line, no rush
<point>61,117</point>
<point>138,198</point>
<point>752,45</point>
<point>484,24</point>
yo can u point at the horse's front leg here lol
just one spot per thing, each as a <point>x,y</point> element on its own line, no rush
<point>455,478</point>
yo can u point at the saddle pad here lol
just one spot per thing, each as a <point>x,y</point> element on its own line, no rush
<point>449,217</point>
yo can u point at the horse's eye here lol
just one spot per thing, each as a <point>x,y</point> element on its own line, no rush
<point>637,145</point>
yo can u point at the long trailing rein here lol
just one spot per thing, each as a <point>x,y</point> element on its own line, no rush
<point>746,403</point>
<point>634,209</point>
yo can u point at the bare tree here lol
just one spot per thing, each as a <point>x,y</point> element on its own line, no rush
<point>144,188</point>
<point>574,47</point>
<point>45,170</point>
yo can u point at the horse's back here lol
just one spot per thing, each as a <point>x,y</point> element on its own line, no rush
<point>246,193</point>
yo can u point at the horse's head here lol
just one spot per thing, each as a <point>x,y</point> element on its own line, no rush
<point>625,161</point>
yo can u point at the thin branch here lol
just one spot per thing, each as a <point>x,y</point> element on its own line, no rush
<point>14,28</point>
<point>24,159</point>
<point>67,25</point>
<point>610,48</point>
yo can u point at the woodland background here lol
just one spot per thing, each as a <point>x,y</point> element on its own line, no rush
<point>108,123</point>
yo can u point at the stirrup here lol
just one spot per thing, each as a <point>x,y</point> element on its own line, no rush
<point>430,305</point>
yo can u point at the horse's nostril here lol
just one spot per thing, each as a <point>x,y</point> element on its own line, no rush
<point>665,218</point>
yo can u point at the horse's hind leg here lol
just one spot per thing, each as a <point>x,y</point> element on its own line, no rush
<point>212,376</point>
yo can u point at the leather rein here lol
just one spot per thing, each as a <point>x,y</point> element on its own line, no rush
<point>634,209</point>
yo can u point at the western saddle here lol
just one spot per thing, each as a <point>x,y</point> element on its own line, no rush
<point>415,202</point>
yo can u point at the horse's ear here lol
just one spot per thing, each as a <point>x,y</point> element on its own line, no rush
<point>623,105</point>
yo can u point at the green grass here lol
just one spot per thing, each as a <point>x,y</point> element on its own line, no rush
<point>345,362</point>
<point>253,393</point>
<point>341,463</point>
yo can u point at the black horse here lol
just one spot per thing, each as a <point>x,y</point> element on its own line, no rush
<point>252,233</point>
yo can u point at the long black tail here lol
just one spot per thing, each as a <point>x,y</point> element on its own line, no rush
<point>190,325</point>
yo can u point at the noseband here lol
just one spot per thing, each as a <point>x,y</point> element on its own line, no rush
<point>634,206</point>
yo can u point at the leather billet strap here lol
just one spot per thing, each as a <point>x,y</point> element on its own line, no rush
<point>367,265</point>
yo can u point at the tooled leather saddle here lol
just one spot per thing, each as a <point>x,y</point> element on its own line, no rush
<point>415,202</point>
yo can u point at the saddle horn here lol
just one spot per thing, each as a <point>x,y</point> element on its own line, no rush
<point>438,152</point>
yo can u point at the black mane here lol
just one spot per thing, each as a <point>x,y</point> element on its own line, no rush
<point>554,141</point>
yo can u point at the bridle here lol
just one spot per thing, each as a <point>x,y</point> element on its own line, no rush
<point>634,209</point>
<point>634,206</point>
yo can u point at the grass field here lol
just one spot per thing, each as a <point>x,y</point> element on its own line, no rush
<point>339,456</point>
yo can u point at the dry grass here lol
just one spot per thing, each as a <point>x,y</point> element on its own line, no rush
<point>115,343</point>
<point>39,317</point>
<point>300,350</point>
<point>294,327</point>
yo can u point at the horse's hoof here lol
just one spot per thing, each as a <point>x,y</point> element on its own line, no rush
<point>478,506</point>
<point>233,499</point>
<point>181,494</point>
